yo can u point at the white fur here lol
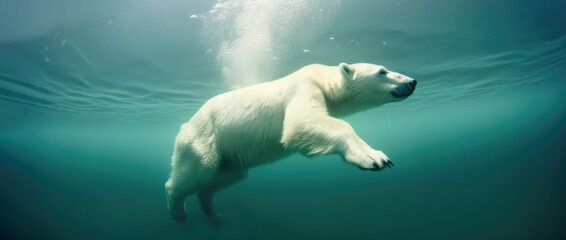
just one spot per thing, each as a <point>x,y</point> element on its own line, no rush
<point>262,123</point>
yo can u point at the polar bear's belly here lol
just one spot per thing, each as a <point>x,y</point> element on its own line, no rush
<point>251,141</point>
<point>247,156</point>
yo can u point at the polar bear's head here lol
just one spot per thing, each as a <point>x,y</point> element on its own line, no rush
<point>368,85</point>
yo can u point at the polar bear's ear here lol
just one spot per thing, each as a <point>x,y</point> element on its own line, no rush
<point>346,70</point>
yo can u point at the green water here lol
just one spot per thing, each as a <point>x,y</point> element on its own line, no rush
<point>92,95</point>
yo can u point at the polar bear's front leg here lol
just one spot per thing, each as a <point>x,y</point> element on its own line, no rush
<point>325,135</point>
<point>308,128</point>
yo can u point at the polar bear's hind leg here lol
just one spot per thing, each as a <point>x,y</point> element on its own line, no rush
<point>222,180</point>
<point>176,207</point>
<point>176,195</point>
<point>188,176</point>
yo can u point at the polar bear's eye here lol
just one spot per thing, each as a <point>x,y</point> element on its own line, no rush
<point>383,71</point>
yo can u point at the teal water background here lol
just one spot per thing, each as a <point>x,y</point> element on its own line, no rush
<point>92,94</point>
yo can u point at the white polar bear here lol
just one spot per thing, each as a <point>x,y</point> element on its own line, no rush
<point>262,123</point>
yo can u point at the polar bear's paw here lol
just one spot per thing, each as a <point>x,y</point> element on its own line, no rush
<point>216,218</point>
<point>372,160</point>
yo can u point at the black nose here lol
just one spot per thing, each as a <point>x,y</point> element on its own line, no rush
<point>413,83</point>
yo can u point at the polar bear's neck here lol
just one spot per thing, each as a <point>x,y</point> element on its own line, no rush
<point>329,79</point>
<point>346,106</point>
<point>338,101</point>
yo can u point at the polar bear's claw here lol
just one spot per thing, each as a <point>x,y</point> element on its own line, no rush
<point>376,166</point>
<point>388,163</point>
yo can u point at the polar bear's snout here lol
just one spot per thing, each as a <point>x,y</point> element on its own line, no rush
<point>413,84</point>
<point>405,89</point>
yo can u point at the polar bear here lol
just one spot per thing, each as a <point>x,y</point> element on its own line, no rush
<point>259,124</point>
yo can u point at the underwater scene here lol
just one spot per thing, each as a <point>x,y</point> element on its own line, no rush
<point>93,94</point>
